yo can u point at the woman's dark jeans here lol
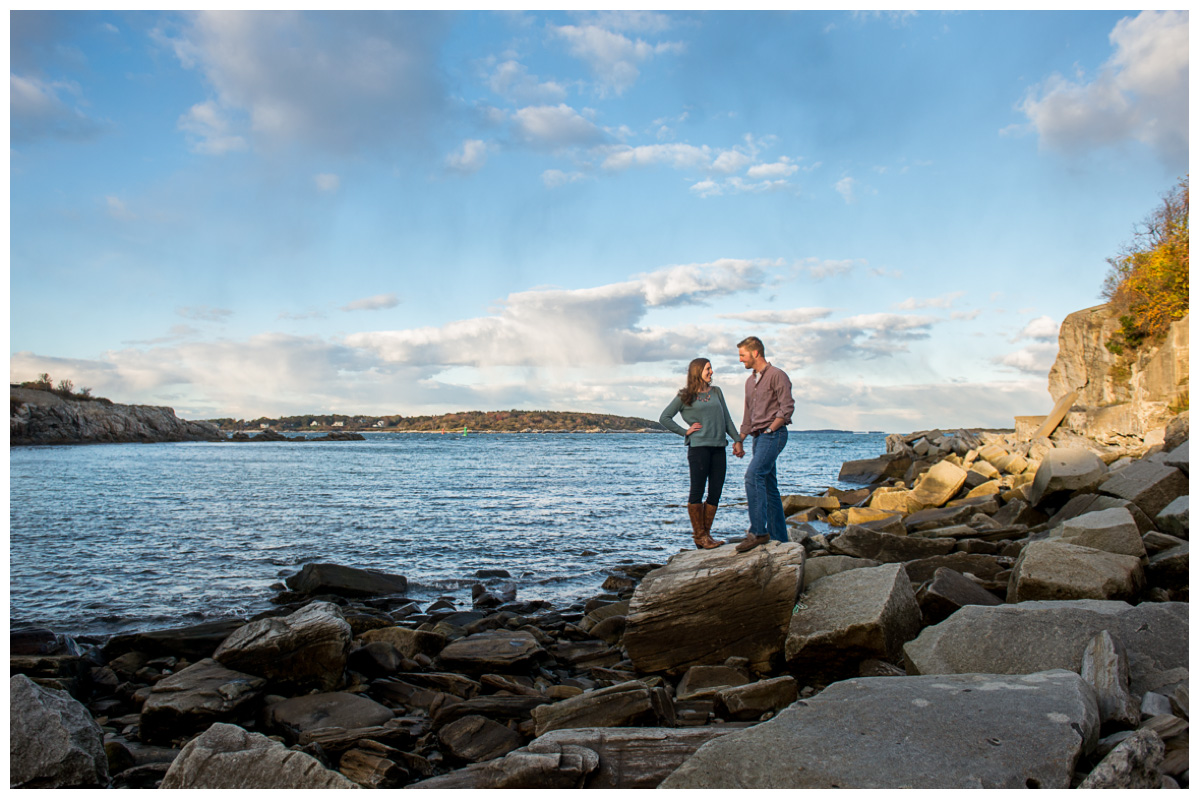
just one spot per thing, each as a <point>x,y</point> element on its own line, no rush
<point>706,465</point>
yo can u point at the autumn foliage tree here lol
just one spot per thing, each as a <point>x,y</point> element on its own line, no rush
<point>1147,284</point>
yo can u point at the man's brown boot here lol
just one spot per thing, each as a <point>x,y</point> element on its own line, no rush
<point>750,542</point>
<point>710,512</point>
<point>702,539</point>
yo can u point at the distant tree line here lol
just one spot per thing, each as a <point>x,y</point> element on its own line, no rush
<point>513,421</point>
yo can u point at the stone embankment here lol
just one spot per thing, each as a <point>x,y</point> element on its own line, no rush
<point>982,612</point>
<point>37,417</point>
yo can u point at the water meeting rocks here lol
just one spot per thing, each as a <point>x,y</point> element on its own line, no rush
<point>705,606</point>
<point>313,579</point>
<point>939,731</point>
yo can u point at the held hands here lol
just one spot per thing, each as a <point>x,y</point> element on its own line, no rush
<point>738,450</point>
<point>695,426</point>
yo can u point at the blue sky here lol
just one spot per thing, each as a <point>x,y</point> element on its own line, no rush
<point>286,213</point>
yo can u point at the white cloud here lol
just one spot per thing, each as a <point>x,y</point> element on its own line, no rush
<point>780,169</point>
<point>553,178</point>
<point>208,130</point>
<point>821,268</point>
<point>845,187</point>
<point>1034,359</point>
<point>788,316</point>
<point>512,80</point>
<point>470,157</point>
<point>37,110</point>
<point>204,313</point>
<point>1140,93</point>
<point>613,58</point>
<point>706,188</point>
<point>731,161</point>
<point>679,156</point>
<point>943,301</point>
<point>1042,329</point>
<point>327,182</point>
<point>373,303</point>
<point>556,126</point>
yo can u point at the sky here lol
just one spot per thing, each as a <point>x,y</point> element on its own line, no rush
<point>282,213</point>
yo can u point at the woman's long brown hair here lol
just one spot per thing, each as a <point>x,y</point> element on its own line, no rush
<point>695,384</point>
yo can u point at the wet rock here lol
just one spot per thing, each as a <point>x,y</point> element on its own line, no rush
<point>291,718</point>
<point>939,732</point>
<point>305,649</point>
<point>752,700</point>
<point>1106,668</point>
<point>1135,763</point>
<point>68,673</point>
<point>1035,636</point>
<point>474,738</point>
<point>1067,469</point>
<point>1113,531</point>
<point>553,767</point>
<point>620,705</point>
<point>949,591</point>
<point>694,610</point>
<point>228,757</point>
<point>343,581</point>
<point>1055,570</point>
<point>53,741</point>
<point>502,651</point>
<point>192,642</point>
<point>863,613</point>
<point>1148,485</point>
<point>861,542</point>
<point>194,698</point>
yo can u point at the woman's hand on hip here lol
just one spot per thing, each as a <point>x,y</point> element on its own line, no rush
<point>695,426</point>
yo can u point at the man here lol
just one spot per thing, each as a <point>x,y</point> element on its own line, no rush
<point>767,412</point>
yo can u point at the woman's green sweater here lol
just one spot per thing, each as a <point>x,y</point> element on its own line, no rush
<point>710,411</point>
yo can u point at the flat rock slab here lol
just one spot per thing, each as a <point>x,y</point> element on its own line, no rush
<point>1055,570</point>
<point>294,716</point>
<point>228,757</point>
<point>861,542</point>
<point>619,705</point>
<point>345,581</point>
<point>751,701</point>
<point>194,698</point>
<point>705,606</point>
<point>53,741</point>
<point>949,591</point>
<point>872,470</point>
<point>1149,485</point>
<point>632,758</point>
<point>306,649</point>
<point>1035,636</point>
<point>929,732</point>
<point>817,568</point>
<point>863,613</point>
<point>1067,469</point>
<point>493,651</point>
<point>1113,530</point>
<point>705,681</point>
<point>985,567</point>
<point>475,738</point>
<point>932,518</point>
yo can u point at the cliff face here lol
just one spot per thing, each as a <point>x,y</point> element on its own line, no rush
<point>37,417</point>
<point>1132,393</point>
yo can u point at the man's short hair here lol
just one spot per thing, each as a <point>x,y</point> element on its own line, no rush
<point>753,344</point>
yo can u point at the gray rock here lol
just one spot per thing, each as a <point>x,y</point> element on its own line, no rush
<point>873,470</point>
<point>228,757</point>
<point>982,566</point>
<point>1035,636</point>
<point>631,758</point>
<point>306,648</point>
<point>1055,570</point>
<point>817,568</point>
<point>192,642</point>
<point>1169,569</point>
<point>293,717</point>
<point>493,651</point>
<point>1067,469</point>
<point>475,738</point>
<point>345,581</point>
<point>1087,503</point>
<point>1155,705</point>
<point>1178,458</point>
<point>1156,542</point>
<point>861,542</point>
<point>194,698</point>
<point>1106,667</point>
<point>933,518</point>
<point>943,731</point>
<point>53,742</point>
<point>697,608</point>
<point>553,767</point>
<point>1133,764</point>
<point>863,613</point>
<point>38,417</point>
<point>1150,486</point>
<point>1174,517</point>
<point>620,705</point>
<point>751,701</point>
<point>1113,531</point>
<point>705,681</point>
<point>949,591</point>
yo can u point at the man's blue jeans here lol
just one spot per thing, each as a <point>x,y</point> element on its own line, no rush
<point>762,488</point>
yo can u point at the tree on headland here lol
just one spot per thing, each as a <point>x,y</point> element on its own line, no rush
<point>65,389</point>
<point>1147,283</point>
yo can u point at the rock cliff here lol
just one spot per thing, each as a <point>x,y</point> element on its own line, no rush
<point>37,417</point>
<point>1133,393</point>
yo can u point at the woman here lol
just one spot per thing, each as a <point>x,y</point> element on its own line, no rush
<point>702,406</point>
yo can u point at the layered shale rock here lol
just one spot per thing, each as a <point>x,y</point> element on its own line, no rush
<point>38,417</point>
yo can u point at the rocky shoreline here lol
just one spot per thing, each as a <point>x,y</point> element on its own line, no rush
<point>986,611</point>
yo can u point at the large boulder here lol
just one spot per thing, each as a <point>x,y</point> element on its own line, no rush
<point>817,568</point>
<point>53,742</point>
<point>620,705</point>
<point>936,732</point>
<point>937,486</point>
<point>1067,469</point>
<point>194,698</point>
<point>306,648</point>
<point>705,606</point>
<point>1114,531</point>
<point>228,757</point>
<point>1149,485</point>
<point>1055,570</point>
<point>873,470</point>
<point>345,581</point>
<point>851,616</point>
<point>1035,636</point>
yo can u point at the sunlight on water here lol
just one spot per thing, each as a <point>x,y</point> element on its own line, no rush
<point>121,537</point>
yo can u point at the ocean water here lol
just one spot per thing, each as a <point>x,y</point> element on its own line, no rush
<point>109,538</point>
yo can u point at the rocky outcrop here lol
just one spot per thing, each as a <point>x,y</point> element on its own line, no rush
<point>53,741</point>
<point>1118,394</point>
<point>37,417</point>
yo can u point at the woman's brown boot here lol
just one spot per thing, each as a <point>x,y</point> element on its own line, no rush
<point>710,511</point>
<point>699,535</point>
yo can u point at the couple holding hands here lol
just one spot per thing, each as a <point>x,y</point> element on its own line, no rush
<point>768,410</point>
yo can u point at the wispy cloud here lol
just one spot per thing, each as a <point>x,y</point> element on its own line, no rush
<point>204,313</point>
<point>942,301</point>
<point>373,303</point>
<point>470,157</point>
<point>612,57</point>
